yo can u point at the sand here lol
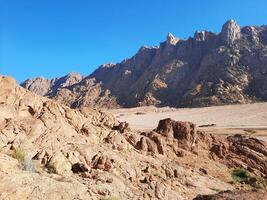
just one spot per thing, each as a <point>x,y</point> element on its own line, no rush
<point>230,119</point>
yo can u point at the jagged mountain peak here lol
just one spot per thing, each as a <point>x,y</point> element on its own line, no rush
<point>73,75</point>
<point>230,32</point>
<point>209,69</point>
<point>171,39</point>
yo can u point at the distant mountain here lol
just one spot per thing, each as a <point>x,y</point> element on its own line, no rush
<point>208,69</point>
<point>73,90</point>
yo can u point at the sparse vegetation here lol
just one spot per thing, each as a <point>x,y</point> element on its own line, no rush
<point>19,154</point>
<point>51,169</point>
<point>242,176</point>
<point>25,163</point>
<point>215,189</point>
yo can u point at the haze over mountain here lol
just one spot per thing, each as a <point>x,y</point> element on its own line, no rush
<point>208,69</point>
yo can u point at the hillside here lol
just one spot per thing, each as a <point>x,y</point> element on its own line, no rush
<point>49,151</point>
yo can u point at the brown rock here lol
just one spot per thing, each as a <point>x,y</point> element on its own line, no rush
<point>237,194</point>
<point>102,162</point>
<point>117,141</point>
<point>122,127</point>
<point>184,132</point>
<point>151,143</point>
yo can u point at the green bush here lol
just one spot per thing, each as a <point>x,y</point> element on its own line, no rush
<point>241,175</point>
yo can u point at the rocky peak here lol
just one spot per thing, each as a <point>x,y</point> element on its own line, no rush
<point>69,79</point>
<point>251,32</point>
<point>38,85</point>
<point>203,35</point>
<point>74,75</point>
<point>230,32</point>
<point>171,39</point>
<point>199,35</point>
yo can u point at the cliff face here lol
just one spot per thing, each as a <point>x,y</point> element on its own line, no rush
<point>208,69</point>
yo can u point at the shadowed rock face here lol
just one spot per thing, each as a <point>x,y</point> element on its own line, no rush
<point>208,69</point>
<point>233,195</point>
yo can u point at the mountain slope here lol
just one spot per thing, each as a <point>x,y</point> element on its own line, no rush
<point>208,69</point>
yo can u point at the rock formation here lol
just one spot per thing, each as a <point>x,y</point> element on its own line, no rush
<point>232,195</point>
<point>47,87</point>
<point>50,151</point>
<point>208,69</point>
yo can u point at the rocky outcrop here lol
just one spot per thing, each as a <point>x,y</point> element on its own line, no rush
<point>237,194</point>
<point>249,153</point>
<point>208,69</point>
<point>151,142</point>
<point>184,132</point>
<point>235,151</point>
<point>122,127</point>
<point>242,152</point>
<point>59,164</point>
<point>230,32</point>
<point>50,151</point>
<point>101,162</point>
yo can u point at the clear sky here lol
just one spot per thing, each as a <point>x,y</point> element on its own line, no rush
<point>53,37</point>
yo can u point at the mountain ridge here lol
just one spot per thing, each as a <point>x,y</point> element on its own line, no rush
<point>207,69</point>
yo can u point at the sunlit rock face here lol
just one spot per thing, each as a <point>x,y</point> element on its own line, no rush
<point>50,151</point>
<point>230,32</point>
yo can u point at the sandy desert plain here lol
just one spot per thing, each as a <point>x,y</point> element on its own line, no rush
<point>248,119</point>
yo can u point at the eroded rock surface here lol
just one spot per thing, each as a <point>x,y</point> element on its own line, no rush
<point>233,195</point>
<point>50,151</point>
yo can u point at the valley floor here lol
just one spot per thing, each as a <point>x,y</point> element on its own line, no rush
<point>249,119</point>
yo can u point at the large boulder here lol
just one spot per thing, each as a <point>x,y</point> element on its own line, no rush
<point>184,132</point>
<point>59,164</point>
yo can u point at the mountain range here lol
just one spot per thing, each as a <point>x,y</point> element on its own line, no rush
<point>208,69</point>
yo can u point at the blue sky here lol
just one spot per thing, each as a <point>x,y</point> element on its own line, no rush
<point>53,37</point>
